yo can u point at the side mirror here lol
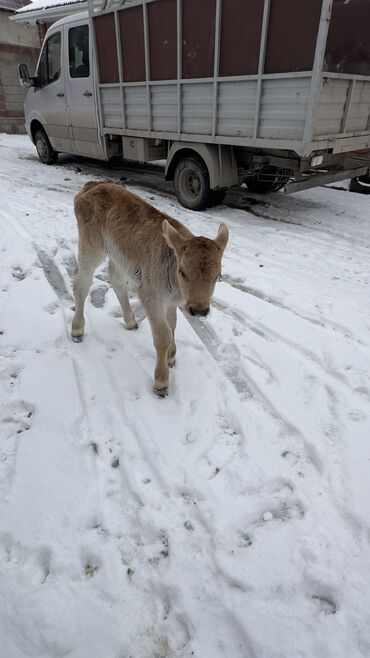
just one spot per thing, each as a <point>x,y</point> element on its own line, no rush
<point>24,77</point>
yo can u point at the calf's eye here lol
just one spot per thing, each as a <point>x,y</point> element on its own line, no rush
<point>182,273</point>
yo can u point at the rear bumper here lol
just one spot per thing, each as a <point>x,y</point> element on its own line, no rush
<point>315,180</point>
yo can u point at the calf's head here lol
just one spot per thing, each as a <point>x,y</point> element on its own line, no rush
<point>198,265</point>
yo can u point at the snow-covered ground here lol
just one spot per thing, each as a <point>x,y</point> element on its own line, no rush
<point>231,520</point>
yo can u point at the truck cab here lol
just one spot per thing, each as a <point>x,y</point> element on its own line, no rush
<point>61,108</point>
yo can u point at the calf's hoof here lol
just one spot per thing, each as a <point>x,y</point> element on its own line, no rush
<point>77,338</point>
<point>161,392</point>
<point>172,363</point>
<point>131,325</point>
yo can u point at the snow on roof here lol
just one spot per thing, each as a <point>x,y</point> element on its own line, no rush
<point>42,5</point>
<point>13,5</point>
<point>48,5</point>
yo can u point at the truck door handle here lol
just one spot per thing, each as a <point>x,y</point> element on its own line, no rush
<point>87,93</point>
<point>60,94</point>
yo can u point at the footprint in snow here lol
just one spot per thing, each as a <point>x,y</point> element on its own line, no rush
<point>91,564</point>
<point>137,308</point>
<point>225,448</point>
<point>9,376</point>
<point>95,447</point>
<point>149,547</point>
<point>70,264</point>
<point>325,604</point>
<point>356,415</point>
<point>98,294</point>
<point>15,417</point>
<point>18,273</point>
<point>245,540</point>
<point>283,512</point>
<point>90,570</point>
<point>188,497</point>
<point>308,459</point>
<point>116,312</point>
<point>15,420</point>
<point>277,505</point>
<point>32,565</point>
<point>292,457</point>
<point>52,308</point>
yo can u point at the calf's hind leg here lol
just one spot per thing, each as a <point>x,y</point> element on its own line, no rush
<point>88,261</point>
<point>172,319</point>
<point>119,286</point>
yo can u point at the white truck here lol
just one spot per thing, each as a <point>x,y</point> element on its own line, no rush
<point>273,93</point>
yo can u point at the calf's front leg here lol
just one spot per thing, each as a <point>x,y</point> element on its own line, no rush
<point>162,339</point>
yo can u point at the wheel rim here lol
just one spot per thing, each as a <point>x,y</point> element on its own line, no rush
<point>190,185</point>
<point>41,148</point>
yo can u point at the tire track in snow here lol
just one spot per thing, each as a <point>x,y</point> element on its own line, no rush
<point>306,356</point>
<point>242,287</point>
<point>53,275</point>
<point>245,385</point>
<point>215,347</point>
<point>279,203</point>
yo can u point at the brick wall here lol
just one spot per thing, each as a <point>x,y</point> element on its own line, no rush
<point>11,93</point>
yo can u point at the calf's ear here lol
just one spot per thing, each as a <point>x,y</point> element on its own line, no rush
<point>222,237</point>
<point>172,237</point>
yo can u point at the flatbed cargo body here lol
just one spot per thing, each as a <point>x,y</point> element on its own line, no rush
<point>277,78</point>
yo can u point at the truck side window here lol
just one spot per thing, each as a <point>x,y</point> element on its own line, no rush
<point>78,48</point>
<point>49,66</point>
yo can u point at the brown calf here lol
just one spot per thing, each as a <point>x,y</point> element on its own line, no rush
<point>149,253</point>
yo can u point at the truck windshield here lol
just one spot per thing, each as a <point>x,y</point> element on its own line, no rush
<point>49,65</point>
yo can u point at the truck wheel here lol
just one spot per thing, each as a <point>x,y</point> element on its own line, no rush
<point>360,184</point>
<point>44,149</point>
<point>268,179</point>
<point>191,181</point>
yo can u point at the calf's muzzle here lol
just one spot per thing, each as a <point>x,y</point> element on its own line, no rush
<point>203,312</point>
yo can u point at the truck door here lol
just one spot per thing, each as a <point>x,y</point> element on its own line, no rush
<point>81,98</point>
<point>49,98</point>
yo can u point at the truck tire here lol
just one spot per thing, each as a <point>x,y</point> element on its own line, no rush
<point>191,180</point>
<point>44,149</point>
<point>360,184</point>
<point>269,179</point>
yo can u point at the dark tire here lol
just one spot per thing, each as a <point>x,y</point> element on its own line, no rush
<point>191,182</point>
<point>361,184</point>
<point>44,149</point>
<point>269,179</point>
